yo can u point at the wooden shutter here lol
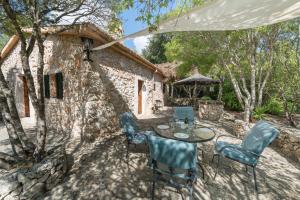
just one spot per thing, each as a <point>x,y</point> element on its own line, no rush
<point>59,85</point>
<point>47,86</point>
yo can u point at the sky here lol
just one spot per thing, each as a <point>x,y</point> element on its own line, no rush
<point>130,25</point>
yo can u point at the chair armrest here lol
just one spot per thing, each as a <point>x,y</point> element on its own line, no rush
<point>231,136</point>
<point>147,129</point>
<point>243,150</point>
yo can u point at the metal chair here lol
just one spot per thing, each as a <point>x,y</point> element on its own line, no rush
<point>182,113</point>
<point>173,161</point>
<point>250,149</point>
<point>131,131</point>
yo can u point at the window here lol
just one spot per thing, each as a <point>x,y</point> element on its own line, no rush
<point>53,84</point>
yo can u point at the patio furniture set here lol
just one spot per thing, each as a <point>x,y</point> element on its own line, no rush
<point>173,147</point>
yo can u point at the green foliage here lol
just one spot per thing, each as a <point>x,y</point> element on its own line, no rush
<point>274,106</point>
<point>155,51</point>
<point>192,50</point>
<point>231,101</point>
<point>206,98</point>
<point>229,97</point>
<point>259,112</point>
<point>3,40</point>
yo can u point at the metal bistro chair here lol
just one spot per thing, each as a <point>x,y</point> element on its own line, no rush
<point>250,149</point>
<point>173,161</point>
<point>181,113</point>
<point>131,131</point>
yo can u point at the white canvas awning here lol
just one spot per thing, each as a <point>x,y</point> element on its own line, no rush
<point>221,15</point>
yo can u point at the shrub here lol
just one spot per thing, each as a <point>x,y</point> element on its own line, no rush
<point>206,98</point>
<point>231,101</point>
<point>274,106</point>
<point>259,112</point>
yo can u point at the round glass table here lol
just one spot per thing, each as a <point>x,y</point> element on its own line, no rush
<point>194,134</point>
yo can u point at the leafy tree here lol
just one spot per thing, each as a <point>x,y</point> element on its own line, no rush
<point>3,39</point>
<point>246,56</point>
<point>155,51</point>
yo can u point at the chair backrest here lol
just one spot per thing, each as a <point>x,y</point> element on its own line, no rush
<point>259,137</point>
<point>128,123</point>
<point>182,113</point>
<point>172,153</point>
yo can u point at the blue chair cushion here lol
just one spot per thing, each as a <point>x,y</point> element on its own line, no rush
<point>235,152</point>
<point>259,137</point>
<point>173,153</point>
<point>140,137</point>
<point>128,123</point>
<point>181,113</point>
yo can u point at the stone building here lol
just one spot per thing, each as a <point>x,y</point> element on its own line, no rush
<point>84,98</point>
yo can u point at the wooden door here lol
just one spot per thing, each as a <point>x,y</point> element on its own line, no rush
<point>140,97</point>
<point>26,97</point>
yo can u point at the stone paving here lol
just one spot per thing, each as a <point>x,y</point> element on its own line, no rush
<point>100,170</point>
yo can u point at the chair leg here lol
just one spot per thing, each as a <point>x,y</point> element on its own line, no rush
<point>153,190</point>
<point>255,182</point>
<point>201,169</point>
<point>202,153</point>
<point>191,192</point>
<point>127,153</point>
<point>213,158</point>
<point>218,162</point>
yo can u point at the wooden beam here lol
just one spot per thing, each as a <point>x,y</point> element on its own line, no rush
<point>9,46</point>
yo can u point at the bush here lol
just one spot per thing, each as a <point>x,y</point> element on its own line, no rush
<point>274,106</point>
<point>206,98</point>
<point>229,97</point>
<point>259,112</point>
<point>231,101</point>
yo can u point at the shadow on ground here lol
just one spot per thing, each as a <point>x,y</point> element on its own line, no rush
<point>101,171</point>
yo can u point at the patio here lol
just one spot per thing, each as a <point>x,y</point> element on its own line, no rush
<point>100,171</point>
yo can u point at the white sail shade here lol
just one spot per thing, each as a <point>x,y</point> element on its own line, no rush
<point>222,15</point>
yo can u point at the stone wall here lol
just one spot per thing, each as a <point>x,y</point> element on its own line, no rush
<point>288,143</point>
<point>95,93</point>
<point>121,76</point>
<point>32,182</point>
<point>211,110</point>
<point>181,101</point>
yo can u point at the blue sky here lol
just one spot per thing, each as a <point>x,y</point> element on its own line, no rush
<point>130,25</point>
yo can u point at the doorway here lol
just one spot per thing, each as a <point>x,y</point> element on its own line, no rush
<point>25,97</point>
<point>140,96</point>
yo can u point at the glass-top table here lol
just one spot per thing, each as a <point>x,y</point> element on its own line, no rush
<point>192,134</point>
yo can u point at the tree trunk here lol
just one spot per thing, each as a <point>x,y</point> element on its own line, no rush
<point>13,115</point>
<point>41,118</point>
<point>236,87</point>
<point>11,130</point>
<point>247,112</point>
<point>220,93</point>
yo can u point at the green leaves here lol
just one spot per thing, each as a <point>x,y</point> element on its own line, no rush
<point>155,51</point>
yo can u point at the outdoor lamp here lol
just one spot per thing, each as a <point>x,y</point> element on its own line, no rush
<point>87,48</point>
